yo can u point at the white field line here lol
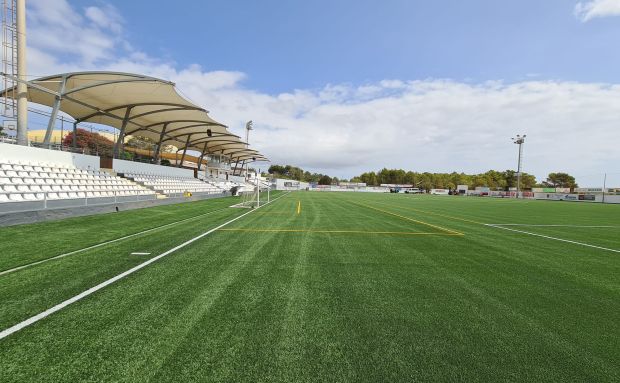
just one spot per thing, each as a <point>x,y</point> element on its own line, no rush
<point>61,305</point>
<point>535,225</point>
<point>106,243</point>
<point>553,238</point>
<point>140,253</point>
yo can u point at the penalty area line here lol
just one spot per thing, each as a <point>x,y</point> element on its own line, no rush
<point>246,230</point>
<point>15,328</point>
<point>554,225</point>
<point>552,238</point>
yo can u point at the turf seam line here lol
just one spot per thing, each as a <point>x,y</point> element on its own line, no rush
<point>105,243</point>
<point>553,238</point>
<point>61,305</point>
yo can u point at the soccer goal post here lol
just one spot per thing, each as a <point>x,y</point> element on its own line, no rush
<point>253,194</point>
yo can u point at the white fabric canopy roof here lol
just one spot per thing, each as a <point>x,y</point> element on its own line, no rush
<point>135,104</point>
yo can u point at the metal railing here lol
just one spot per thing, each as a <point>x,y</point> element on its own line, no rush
<point>59,203</point>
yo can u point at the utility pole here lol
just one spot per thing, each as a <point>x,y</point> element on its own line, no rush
<point>520,140</point>
<point>604,186</point>
<point>22,87</point>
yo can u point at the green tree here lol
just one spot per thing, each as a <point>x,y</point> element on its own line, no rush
<point>561,180</point>
<point>276,169</point>
<point>528,181</point>
<point>325,180</point>
<point>356,179</point>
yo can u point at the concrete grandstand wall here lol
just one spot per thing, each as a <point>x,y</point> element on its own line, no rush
<point>336,188</point>
<point>122,166</point>
<point>28,153</point>
<point>610,198</point>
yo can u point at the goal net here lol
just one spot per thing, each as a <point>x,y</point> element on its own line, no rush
<point>249,197</point>
<point>253,194</point>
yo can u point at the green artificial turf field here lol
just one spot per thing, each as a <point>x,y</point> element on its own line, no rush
<point>319,287</point>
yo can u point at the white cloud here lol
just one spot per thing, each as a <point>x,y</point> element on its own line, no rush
<point>588,10</point>
<point>105,17</point>
<point>344,129</point>
<point>82,39</point>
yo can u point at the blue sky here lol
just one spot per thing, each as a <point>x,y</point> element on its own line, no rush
<point>284,45</point>
<point>343,87</point>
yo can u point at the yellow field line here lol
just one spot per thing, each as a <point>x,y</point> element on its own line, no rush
<point>298,207</point>
<point>339,231</point>
<point>433,213</point>
<point>410,219</point>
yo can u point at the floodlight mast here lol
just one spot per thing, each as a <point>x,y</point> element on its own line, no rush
<point>520,140</point>
<point>248,127</point>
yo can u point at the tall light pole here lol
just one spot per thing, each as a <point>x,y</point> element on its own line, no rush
<point>520,140</point>
<point>248,127</point>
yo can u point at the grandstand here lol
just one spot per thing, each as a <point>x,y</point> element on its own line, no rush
<point>173,185</point>
<point>39,181</point>
<point>133,104</point>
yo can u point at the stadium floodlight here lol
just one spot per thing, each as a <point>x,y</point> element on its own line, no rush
<point>520,140</point>
<point>248,127</point>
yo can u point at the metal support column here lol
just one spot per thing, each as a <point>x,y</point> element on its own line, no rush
<point>202,155</point>
<point>180,164</point>
<point>156,155</point>
<point>22,88</point>
<point>52,122</point>
<point>74,138</point>
<point>235,168</point>
<point>118,147</point>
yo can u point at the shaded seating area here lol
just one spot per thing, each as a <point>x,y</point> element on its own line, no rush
<point>133,105</point>
<point>173,185</point>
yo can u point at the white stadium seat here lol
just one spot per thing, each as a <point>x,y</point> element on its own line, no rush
<point>16,197</point>
<point>35,181</point>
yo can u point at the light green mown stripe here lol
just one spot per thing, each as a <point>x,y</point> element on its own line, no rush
<point>437,214</point>
<point>410,219</point>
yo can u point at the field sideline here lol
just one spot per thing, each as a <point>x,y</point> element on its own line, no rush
<point>318,287</point>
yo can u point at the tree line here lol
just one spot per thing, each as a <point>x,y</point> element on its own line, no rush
<point>296,173</point>
<point>499,180</point>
